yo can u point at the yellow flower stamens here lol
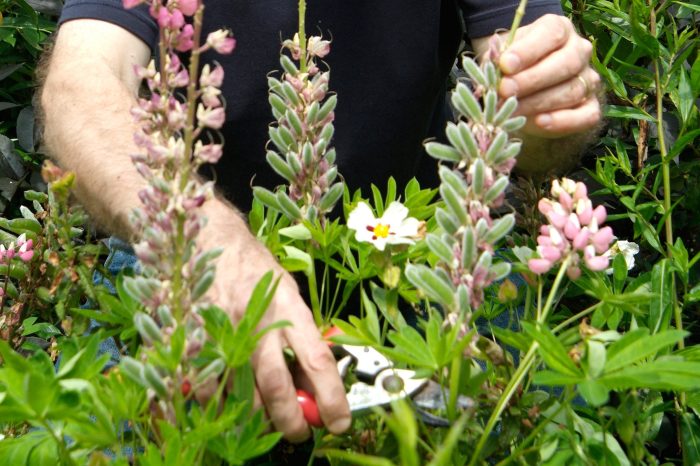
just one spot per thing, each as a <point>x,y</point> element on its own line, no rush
<point>381,231</point>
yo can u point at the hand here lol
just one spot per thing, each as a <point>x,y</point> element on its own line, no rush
<point>547,68</point>
<point>242,264</point>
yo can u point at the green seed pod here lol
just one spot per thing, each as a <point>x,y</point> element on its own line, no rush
<point>454,135</point>
<point>473,70</point>
<point>147,328</point>
<point>320,146</point>
<point>165,316</point>
<point>499,229</point>
<point>443,152</point>
<point>203,284</point>
<point>307,154</point>
<point>430,283</point>
<point>312,114</point>
<point>468,247</point>
<point>464,101</point>
<point>512,150</point>
<point>331,175</point>
<point>500,270</point>
<point>497,145</point>
<point>294,163</point>
<point>472,149</point>
<point>277,103</point>
<point>331,197</point>
<point>132,369</point>
<point>513,124</point>
<point>463,298</point>
<point>478,177</point>
<point>491,75</point>
<point>288,65</point>
<point>454,203</point>
<point>277,139</point>
<point>506,110</point>
<point>287,206</point>
<point>290,94</point>
<point>490,104</point>
<point>455,180</point>
<point>485,260</point>
<point>294,122</point>
<point>439,248</point>
<point>287,137</point>
<point>311,214</point>
<point>267,197</point>
<point>213,369</point>
<point>446,222</point>
<point>327,132</point>
<point>481,227</point>
<point>275,85</point>
<point>327,107</point>
<point>330,156</point>
<point>496,189</point>
<point>280,166</point>
<point>155,381</point>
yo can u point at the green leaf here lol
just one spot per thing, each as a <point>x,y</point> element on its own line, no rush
<point>594,392</point>
<point>431,284</point>
<point>690,433</point>
<point>662,374</point>
<point>551,349</point>
<point>555,378</point>
<point>637,345</point>
<point>660,305</point>
<point>627,113</point>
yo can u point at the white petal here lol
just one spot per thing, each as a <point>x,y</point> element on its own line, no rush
<point>408,228</point>
<point>361,217</point>
<point>380,243</point>
<point>398,240</point>
<point>394,215</point>
<point>364,235</point>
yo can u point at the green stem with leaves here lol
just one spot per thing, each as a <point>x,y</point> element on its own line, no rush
<point>524,367</point>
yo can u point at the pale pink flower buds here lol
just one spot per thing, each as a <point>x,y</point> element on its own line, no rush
<point>221,41</point>
<point>188,7</point>
<point>211,77</point>
<point>317,47</point>
<point>208,153</point>
<point>573,231</point>
<point>211,117</point>
<point>184,39</point>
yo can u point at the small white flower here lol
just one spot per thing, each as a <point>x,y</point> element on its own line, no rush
<point>627,248</point>
<point>394,227</point>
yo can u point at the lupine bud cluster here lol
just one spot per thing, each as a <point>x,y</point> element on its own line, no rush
<point>479,158</point>
<point>301,151</point>
<point>175,273</point>
<point>573,231</point>
<point>24,250</point>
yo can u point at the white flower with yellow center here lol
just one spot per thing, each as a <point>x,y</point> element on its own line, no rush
<point>627,248</point>
<point>393,227</point>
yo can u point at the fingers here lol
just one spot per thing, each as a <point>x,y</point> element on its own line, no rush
<point>569,94</point>
<point>566,121</point>
<point>320,372</point>
<point>558,67</point>
<point>534,42</point>
<point>277,389</point>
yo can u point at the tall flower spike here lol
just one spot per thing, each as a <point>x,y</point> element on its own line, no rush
<point>481,154</point>
<point>300,151</point>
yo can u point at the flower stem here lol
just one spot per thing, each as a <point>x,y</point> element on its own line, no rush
<point>522,370</point>
<point>302,35</point>
<point>313,290</point>
<point>193,71</point>
<point>519,14</point>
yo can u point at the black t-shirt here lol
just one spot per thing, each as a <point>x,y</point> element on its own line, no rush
<point>389,62</point>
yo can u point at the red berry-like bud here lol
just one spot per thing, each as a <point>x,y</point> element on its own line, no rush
<point>309,408</point>
<point>186,387</point>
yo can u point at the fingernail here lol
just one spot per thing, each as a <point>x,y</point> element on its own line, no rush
<point>510,63</point>
<point>544,121</point>
<point>340,425</point>
<point>509,87</point>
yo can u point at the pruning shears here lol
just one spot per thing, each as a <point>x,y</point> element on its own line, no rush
<point>376,382</point>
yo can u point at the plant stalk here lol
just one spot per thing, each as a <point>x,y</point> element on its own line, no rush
<point>523,369</point>
<point>302,36</point>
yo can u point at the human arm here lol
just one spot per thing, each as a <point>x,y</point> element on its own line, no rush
<point>86,100</point>
<point>545,67</point>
